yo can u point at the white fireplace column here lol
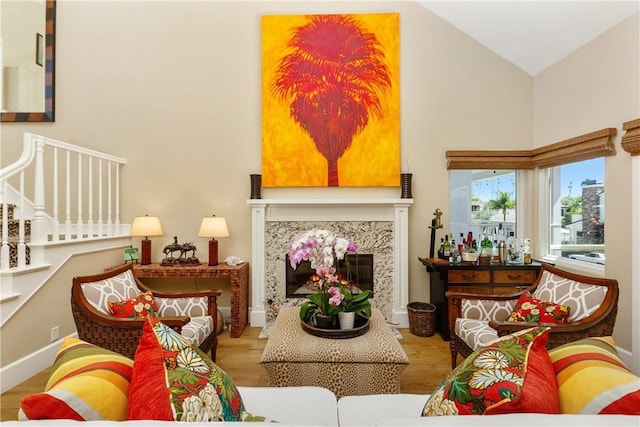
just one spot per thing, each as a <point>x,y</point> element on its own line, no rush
<point>330,210</point>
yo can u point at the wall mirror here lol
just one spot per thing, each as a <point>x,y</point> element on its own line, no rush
<point>27,60</point>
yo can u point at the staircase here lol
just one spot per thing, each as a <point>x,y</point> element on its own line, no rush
<point>13,235</point>
<point>37,234</point>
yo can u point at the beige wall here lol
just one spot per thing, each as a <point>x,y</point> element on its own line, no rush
<point>598,87</point>
<point>174,87</point>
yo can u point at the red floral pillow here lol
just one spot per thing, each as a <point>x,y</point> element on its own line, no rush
<point>531,309</point>
<point>512,375</point>
<point>175,381</point>
<point>134,308</point>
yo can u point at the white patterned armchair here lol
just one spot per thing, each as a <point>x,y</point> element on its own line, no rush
<point>192,314</point>
<point>477,320</point>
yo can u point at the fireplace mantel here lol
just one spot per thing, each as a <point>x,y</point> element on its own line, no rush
<point>264,211</point>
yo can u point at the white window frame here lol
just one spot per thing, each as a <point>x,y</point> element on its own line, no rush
<point>544,213</point>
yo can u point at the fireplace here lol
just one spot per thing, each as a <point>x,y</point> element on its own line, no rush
<point>302,280</point>
<point>378,226</point>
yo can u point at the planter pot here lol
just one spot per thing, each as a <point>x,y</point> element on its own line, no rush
<point>323,321</point>
<point>347,319</point>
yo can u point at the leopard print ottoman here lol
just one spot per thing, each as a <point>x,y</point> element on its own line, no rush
<point>369,364</point>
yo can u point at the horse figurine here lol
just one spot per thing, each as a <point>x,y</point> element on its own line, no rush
<point>188,247</point>
<point>168,251</point>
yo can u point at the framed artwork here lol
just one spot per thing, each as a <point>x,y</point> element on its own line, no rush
<point>330,100</point>
<point>131,254</point>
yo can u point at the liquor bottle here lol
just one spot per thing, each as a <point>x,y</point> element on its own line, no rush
<point>441,248</point>
<point>527,253</point>
<point>512,253</point>
<point>446,248</point>
<point>454,250</point>
<point>461,244</point>
<point>469,238</point>
<point>484,257</point>
<point>495,253</point>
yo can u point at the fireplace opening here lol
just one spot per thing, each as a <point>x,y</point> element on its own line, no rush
<point>300,282</point>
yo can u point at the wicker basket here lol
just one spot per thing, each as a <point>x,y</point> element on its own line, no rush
<point>422,318</point>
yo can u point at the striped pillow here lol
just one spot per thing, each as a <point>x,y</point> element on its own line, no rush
<point>87,383</point>
<point>592,379</point>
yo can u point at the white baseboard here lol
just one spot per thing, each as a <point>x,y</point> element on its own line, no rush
<point>23,369</point>
<point>257,318</point>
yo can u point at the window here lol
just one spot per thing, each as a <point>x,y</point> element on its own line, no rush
<point>554,223</point>
<point>577,214</point>
<point>483,202</point>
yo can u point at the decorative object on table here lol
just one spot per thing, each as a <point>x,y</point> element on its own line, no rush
<point>346,319</point>
<point>169,250</point>
<point>213,226</point>
<point>405,185</point>
<point>145,226</point>
<point>184,249</point>
<point>233,260</point>
<point>131,254</point>
<point>191,259</point>
<point>360,327</point>
<point>333,294</point>
<point>256,185</point>
<point>436,223</point>
<point>527,252</point>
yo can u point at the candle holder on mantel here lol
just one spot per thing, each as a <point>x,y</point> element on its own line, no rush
<point>256,184</point>
<point>405,185</point>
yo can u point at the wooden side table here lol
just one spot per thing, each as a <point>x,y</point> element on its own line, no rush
<point>239,275</point>
<point>473,278</point>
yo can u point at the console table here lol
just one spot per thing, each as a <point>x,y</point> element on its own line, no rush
<point>239,275</point>
<point>492,279</point>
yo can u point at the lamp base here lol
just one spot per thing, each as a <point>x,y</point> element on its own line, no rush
<point>213,252</point>
<point>145,256</point>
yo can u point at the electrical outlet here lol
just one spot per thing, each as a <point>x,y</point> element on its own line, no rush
<point>55,333</point>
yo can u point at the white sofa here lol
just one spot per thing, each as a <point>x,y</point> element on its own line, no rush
<point>316,406</point>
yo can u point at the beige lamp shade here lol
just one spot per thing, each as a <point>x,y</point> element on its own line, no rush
<point>213,226</point>
<point>145,226</point>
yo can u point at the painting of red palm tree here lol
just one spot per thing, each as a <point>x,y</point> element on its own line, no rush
<point>330,100</point>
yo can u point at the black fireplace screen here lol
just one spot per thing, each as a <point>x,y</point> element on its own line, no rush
<point>300,282</point>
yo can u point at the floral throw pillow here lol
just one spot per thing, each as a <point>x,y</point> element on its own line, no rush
<point>174,381</point>
<point>134,308</point>
<point>511,375</point>
<point>531,309</point>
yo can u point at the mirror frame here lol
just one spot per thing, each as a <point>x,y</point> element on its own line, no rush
<point>48,114</point>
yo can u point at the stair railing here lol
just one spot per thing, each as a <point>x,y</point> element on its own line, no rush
<point>84,181</point>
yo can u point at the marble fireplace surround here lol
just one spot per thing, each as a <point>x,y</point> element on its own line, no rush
<point>378,226</point>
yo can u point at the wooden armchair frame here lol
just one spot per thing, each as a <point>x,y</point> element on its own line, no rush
<point>122,335</point>
<point>598,323</point>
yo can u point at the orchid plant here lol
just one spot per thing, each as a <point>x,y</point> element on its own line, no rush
<point>323,249</point>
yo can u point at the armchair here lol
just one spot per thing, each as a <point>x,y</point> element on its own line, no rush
<point>476,320</point>
<point>192,314</point>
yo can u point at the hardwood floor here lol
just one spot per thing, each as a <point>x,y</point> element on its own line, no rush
<point>429,364</point>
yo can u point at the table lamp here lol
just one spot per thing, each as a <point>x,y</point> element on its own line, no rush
<point>213,226</point>
<point>146,226</point>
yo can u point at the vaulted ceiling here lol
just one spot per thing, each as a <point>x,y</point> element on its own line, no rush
<point>533,35</point>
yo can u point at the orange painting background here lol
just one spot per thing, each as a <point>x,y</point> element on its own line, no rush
<point>289,155</point>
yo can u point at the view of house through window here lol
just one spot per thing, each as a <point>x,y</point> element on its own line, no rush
<point>577,211</point>
<point>483,202</point>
